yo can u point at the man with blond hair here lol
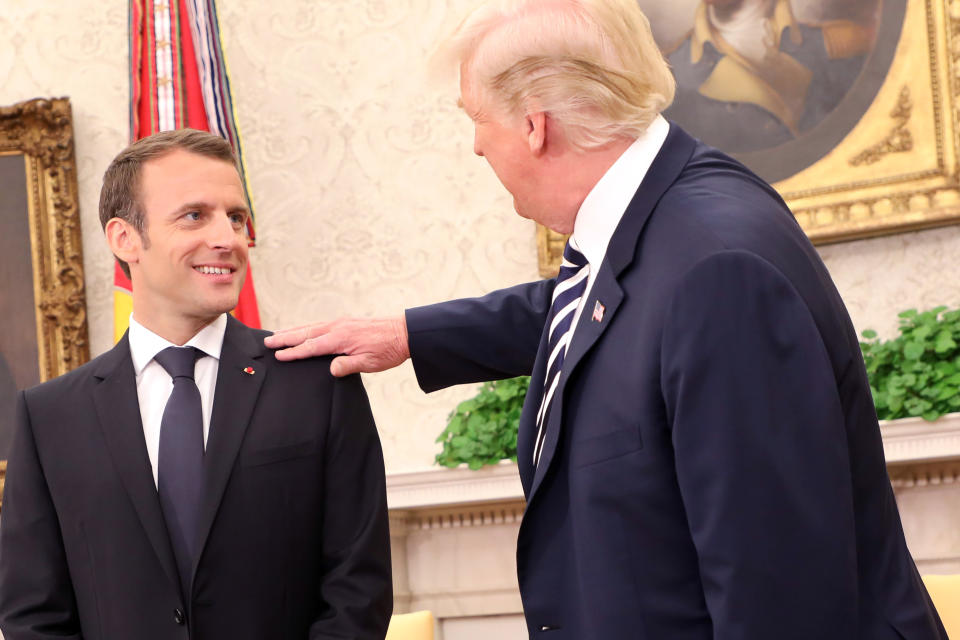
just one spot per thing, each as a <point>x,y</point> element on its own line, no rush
<point>698,449</point>
<point>185,484</point>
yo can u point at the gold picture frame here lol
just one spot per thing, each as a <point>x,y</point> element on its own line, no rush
<point>41,132</point>
<point>897,169</point>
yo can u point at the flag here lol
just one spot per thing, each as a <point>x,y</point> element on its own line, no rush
<point>178,78</point>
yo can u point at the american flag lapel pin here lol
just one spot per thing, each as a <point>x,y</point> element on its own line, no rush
<point>249,371</point>
<point>598,310</point>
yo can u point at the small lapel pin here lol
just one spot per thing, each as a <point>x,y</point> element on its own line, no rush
<point>598,310</point>
<point>249,371</point>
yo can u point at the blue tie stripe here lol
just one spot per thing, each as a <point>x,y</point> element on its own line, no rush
<point>570,286</point>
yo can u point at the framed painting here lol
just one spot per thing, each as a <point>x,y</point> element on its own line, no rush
<point>41,284</point>
<point>848,107</point>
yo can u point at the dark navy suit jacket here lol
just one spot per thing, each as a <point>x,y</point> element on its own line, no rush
<point>713,468</point>
<point>294,522</point>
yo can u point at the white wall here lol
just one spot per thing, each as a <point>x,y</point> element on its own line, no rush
<point>368,198</point>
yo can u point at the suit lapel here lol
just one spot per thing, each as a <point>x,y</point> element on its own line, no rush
<point>118,410</point>
<point>240,377</point>
<point>621,251</point>
<point>608,293</point>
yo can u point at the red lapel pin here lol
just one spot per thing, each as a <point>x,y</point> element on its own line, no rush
<point>249,371</point>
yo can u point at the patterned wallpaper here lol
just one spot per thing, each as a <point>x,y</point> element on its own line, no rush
<point>368,197</point>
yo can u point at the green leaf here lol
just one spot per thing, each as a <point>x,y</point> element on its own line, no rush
<point>944,344</point>
<point>947,392</point>
<point>467,406</point>
<point>913,350</point>
<point>869,334</point>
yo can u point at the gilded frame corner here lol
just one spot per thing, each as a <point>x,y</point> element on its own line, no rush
<point>898,169</point>
<point>42,131</point>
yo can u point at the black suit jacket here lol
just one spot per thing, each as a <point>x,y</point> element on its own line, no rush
<point>294,521</point>
<point>712,467</point>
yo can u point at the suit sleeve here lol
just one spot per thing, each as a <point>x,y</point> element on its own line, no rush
<point>36,595</point>
<point>478,339</point>
<point>356,587</point>
<point>761,453</point>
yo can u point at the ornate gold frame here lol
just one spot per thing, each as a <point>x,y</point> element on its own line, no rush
<point>898,169</point>
<point>42,131</point>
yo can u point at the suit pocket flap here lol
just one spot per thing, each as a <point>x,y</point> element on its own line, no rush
<point>278,454</point>
<point>605,447</point>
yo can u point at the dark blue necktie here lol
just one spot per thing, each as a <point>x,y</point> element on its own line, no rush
<point>571,283</point>
<point>180,458</point>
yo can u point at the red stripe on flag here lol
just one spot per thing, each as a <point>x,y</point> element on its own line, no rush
<point>120,279</point>
<point>247,311</point>
<point>192,92</point>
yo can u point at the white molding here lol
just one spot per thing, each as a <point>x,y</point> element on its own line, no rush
<point>914,440</point>
<point>441,487</point>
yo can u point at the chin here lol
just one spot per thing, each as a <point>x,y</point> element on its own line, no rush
<point>217,307</point>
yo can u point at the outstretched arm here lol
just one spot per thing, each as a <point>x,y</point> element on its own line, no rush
<point>456,342</point>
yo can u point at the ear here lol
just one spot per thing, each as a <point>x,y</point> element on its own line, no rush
<point>123,239</point>
<point>536,123</point>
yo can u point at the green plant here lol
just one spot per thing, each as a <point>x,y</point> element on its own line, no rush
<point>917,373</point>
<point>483,429</point>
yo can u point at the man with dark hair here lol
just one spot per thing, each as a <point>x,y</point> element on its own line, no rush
<point>185,484</point>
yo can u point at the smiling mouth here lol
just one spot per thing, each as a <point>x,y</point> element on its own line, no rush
<point>214,271</point>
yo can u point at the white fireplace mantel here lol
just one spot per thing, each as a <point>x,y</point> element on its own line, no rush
<point>453,531</point>
<point>914,440</point>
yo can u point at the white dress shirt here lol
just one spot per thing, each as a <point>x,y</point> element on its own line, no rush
<point>154,384</point>
<point>604,206</point>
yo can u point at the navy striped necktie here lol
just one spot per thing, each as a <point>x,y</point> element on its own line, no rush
<point>571,284</point>
<point>180,458</point>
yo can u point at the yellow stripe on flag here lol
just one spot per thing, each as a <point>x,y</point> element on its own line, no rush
<point>122,308</point>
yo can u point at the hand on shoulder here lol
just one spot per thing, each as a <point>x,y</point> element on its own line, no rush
<point>367,345</point>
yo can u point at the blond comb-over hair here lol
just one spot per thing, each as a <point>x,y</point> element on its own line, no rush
<point>593,65</point>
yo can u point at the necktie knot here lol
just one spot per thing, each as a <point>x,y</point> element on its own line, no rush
<point>572,255</point>
<point>178,361</point>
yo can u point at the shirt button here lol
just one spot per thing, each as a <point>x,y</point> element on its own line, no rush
<point>178,616</point>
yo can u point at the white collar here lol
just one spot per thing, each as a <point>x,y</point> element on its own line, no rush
<point>606,203</point>
<point>145,344</point>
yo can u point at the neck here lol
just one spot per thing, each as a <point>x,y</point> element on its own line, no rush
<point>177,330</point>
<point>583,171</point>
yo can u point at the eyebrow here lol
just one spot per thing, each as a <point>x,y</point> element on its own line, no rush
<point>200,205</point>
<point>203,205</point>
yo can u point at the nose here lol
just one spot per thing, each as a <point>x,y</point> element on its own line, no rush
<point>476,143</point>
<point>223,234</point>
